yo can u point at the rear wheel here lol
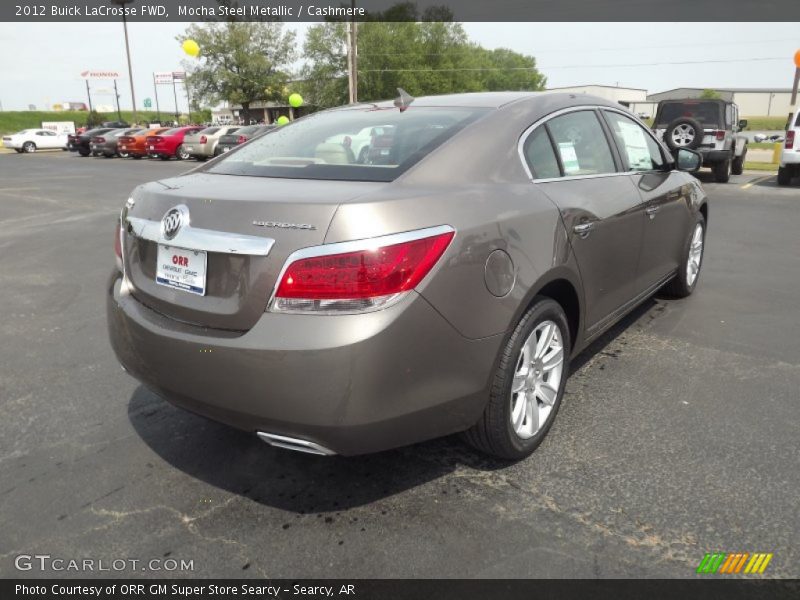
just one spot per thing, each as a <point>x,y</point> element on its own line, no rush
<point>84,152</point>
<point>528,384</point>
<point>685,281</point>
<point>182,154</point>
<point>29,147</point>
<point>722,171</point>
<point>737,166</point>
<point>784,176</point>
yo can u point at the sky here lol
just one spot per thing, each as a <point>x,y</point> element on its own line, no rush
<point>41,62</point>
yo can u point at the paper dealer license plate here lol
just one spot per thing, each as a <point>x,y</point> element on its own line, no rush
<point>182,269</point>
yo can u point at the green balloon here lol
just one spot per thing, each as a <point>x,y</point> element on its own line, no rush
<point>295,100</point>
<point>282,120</point>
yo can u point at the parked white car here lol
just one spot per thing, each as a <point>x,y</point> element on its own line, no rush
<point>790,155</point>
<point>31,140</point>
<point>360,142</point>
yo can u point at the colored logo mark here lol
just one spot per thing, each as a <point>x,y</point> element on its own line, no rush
<point>733,563</point>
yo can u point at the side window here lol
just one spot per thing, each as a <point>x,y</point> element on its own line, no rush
<point>540,155</point>
<point>728,115</point>
<point>638,148</point>
<point>581,144</point>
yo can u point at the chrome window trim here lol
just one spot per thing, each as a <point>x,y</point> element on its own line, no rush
<point>525,134</point>
<point>208,240</point>
<point>355,246</point>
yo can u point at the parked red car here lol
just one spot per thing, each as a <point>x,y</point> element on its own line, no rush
<point>169,143</point>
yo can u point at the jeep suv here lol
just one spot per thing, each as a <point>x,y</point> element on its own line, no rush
<point>790,157</point>
<point>710,127</point>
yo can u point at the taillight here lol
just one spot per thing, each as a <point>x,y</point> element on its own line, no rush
<point>359,276</point>
<point>789,144</point>
<point>242,139</point>
<point>720,135</point>
<point>203,139</point>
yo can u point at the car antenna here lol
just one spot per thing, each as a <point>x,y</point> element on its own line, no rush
<point>403,100</point>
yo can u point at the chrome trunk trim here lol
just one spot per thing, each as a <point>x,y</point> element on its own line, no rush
<point>290,443</point>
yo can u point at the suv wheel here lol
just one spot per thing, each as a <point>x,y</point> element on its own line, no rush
<point>528,384</point>
<point>737,166</point>
<point>722,171</point>
<point>684,132</point>
<point>784,176</point>
<point>689,272</point>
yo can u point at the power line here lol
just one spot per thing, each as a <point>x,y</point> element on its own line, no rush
<point>575,50</point>
<point>581,66</point>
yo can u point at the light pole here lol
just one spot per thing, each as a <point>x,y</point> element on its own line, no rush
<point>122,3</point>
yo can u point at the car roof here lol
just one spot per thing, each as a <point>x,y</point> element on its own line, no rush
<point>471,99</point>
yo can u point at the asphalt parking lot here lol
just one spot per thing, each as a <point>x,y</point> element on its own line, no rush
<point>678,434</point>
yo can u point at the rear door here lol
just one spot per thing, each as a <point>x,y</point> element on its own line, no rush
<point>573,162</point>
<point>665,193</point>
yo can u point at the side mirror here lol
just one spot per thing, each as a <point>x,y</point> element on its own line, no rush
<point>742,124</point>
<point>689,160</point>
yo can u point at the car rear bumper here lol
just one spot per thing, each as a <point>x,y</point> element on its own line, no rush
<point>790,157</point>
<point>199,149</point>
<point>351,383</point>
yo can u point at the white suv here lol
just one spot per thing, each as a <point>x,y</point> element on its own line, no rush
<point>790,157</point>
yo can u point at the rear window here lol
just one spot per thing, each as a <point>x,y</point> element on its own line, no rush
<point>173,131</point>
<point>209,130</point>
<point>247,130</point>
<point>321,146</point>
<point>706,113</point>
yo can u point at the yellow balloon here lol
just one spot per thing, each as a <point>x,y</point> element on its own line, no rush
<point>295,100</point>
<point>282,120</point>
<point>191,48</point>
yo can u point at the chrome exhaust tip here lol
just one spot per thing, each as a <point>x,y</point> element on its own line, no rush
<point>296,444</point>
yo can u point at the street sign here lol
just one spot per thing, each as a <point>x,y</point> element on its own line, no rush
<point>100,75</point>
<point>179,75</point>
<point>163,78</point>
<point>148,103</point>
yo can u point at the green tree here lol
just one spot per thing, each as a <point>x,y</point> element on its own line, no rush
<point>423,53</point>
<point>709,94</point>
<point>239,62</point>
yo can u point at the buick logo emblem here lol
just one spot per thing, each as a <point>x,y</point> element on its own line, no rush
<point>172,222</point>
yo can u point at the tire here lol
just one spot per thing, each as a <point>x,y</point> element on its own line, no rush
<point>784,176</point>
<point>362,155</point>
<point>84,153</point>
<point>96,154</point>
<point>163,157</point>
<point>29,147</point>
<point>690,135</point>
<point>682,285</point>
<point>181,153</point>
<point>737,166</point>
<point>494,433</point>
<point>722,171</point>
<point>106,155</point>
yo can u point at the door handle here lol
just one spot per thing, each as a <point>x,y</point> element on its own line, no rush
<point>652,210</point>
<point>583,229</point>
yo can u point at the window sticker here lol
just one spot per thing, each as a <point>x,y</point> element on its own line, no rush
<point>635,146</point>
<point>569,157</point>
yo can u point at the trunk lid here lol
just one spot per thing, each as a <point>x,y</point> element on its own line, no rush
<point>294,213</point>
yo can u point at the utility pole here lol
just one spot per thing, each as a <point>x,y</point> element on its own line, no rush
<point>352,56</point>
<point>116,97</point>
<point>122,4</point>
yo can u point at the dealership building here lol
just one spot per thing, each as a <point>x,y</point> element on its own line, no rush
<point>752,102</point>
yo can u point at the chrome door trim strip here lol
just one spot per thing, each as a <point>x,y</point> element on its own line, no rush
<point>194,238</point>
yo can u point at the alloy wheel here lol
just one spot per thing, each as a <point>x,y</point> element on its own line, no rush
<point>695,255</point>
<point>537,379</point>
<point>683,135</point>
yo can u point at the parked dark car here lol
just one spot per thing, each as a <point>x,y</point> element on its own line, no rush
<point>117,124</point>
<point>231,140</point>
<point>335,307</point>
<point>81,143</point>
<point>107,143</point>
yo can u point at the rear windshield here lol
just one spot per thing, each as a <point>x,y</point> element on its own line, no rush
<point>706,113</point>
<point>173,131</point>
<point>209,130</point>
<point>246,130</point>
<point>334,145</point>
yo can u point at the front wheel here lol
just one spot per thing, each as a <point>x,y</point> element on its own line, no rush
<point>689,272</point>
<point>737,166</point>
<point>722,171</point>
<point>528,384</point>
<point>29,147</point>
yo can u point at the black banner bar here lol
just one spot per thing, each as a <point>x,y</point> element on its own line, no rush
<point>460,10</point>
<point>359,589</point>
